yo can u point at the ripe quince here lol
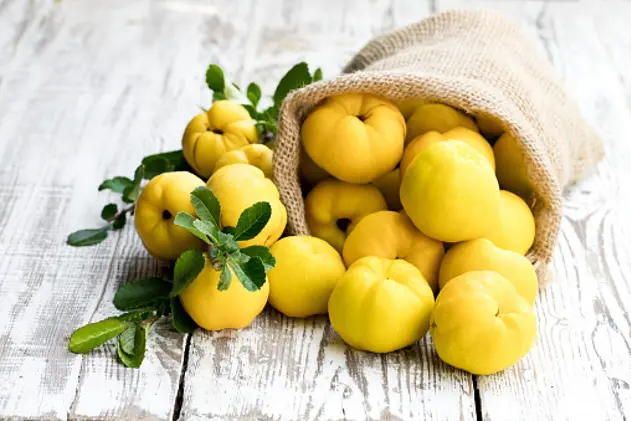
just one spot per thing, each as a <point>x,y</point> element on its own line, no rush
<point>471,138</point>
<point>392,235</point>
<point>306,271</point>
<point>333,208</point>
<point>481,324</point>
<point>440,118</point>
<point>256,155</point>
<point>239,186</point>
<point>511,166</point>
<point>450,192</point>
<point>515,227</point>
<point>212,309</point>
<point>161,199</point>
<point>224,127</point>
<point>489,126</point>
<point>354,137</point>
<point>483,255</point>
<point>389,185</point>
<point>381,305</point>
<point>408,106</point>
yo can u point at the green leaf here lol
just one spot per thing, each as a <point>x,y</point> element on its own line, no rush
<point>252,111</point>
<point>233,93</point>
<point>164,162</point>
<point>206,205</point>
<point>135,359</point>
<point>251,273</point>
<point>116,184</point>
<point>131,193</point>
<point>141,292</point>
<point>224,279</point>
<point>127,338</point>
<point>87,237</point>
<point>218,96</point>
<point>137,315</point>
<point>261,252</point>
<point>254,93</point>
<point>182,322</point>
<point>110,210</point>
<point>252,221</point>
<point>297,77</point>
<point>92,335</point>
<point>208,228</point>
<point>120,221</point>
<point>215,78</point>
<point>187,267</point>
<point>186,221</point>
<point>317,75</point>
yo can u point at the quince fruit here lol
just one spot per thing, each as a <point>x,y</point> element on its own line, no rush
<point>389,185</point>
<point>306,271</point>
<point>471,138</point>
<point>224,127</point>
<point>481,324</point>
<point>511,166</point>
<point>489,126</point>
<point>381,305</point>
<point>211,309</point>
<point>356,138</point>
<point>450,192</point>
<point>440,118</point>
<point>333,208</point>
<point>483,255</point>
<point>310,171</point>
<point>257,155</point>
<point>392,235</point>
<point>515,227</point>
<point>239,186</point>
<point>161,199</point>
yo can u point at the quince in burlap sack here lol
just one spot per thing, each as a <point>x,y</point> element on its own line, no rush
<point>479,62</point>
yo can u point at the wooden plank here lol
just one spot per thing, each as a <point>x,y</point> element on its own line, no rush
<point>579,367</point>
<point>80,105</point>
<point>282,368</point>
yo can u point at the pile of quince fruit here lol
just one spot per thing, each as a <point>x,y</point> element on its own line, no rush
<point>418,224</point>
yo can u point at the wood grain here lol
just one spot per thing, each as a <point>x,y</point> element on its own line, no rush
<point>578,368</point>
<point>281,368</point>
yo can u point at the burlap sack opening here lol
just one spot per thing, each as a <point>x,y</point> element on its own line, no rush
<point>481,63</point>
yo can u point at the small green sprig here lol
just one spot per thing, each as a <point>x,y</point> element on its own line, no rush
<point>130,190</point>
<point>145,300</point>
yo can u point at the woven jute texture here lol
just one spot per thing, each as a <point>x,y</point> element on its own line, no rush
<point>479,62</point>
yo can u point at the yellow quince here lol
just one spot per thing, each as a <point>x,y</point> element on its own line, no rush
<point>333,208</point>
<point>306,271</point>
<point>440,118</point>
<point>354,137</point>
<point>224,127</point>
<point>161,199</point>
<point>239,186</point>
<point>511,166</point>
<point>450,192</point>
<point>381,305</point>
<point>515,226</point>
<point>211,309</point>
<point>256,155</point>
<point>481,324</point>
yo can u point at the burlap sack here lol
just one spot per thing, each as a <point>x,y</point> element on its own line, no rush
<point>479,62</point>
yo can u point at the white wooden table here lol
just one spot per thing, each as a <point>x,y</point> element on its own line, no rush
<point>88,87</point>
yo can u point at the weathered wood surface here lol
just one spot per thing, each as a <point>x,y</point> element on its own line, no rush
<point>87,88</point>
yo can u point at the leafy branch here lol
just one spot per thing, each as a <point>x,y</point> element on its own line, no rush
<point>146,300</point>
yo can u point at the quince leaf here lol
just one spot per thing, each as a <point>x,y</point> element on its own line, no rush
<point>252,221</point>
<point>141,293</point>
<point>127,338</point>
<point>180,319</point>
<point>186,221</point>
<point>297,77</point>
<point>215,78</point>
<point>131,193</point>
<point>120,221</point>
<point>317,75</point>
<point>109,211</point>
<point>187,267</point>
<point>116,184</point>
<point>254,94</point>
<point>134,360</point>
<point>206,205</point>
<point>87,237</point>
<point>261,252</point>
<point>251,274</point>
<point>92,335</point>
<point>224,279</point>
